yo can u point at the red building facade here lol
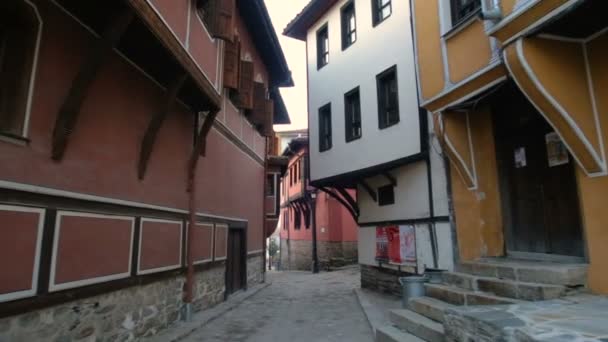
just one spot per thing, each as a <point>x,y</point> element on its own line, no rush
<point>336,230</point>
<point>121,123</point>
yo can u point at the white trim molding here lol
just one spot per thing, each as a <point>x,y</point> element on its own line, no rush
<point>205,225</point>
<point>598,156</point>
<point>163,268</point>
<point>5,297</point>
<point>53,286</point>
<point>220,226</point>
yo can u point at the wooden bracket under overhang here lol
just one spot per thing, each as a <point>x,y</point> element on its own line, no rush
<point>556,78</point>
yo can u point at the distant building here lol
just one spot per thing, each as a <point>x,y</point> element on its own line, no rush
<point>303,208</point>
<point>133,157</point>
<point>369,134</point>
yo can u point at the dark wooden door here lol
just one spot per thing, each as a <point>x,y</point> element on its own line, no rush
<point>235,266</point>
<point>540,201</point>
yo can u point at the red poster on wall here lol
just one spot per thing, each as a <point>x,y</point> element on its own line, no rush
<point>381,244</point>
<point>402,244</point>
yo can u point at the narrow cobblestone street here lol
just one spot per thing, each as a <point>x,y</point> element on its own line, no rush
<point>298,306</point>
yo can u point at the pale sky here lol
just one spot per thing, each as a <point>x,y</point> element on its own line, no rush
<point>281,13</point>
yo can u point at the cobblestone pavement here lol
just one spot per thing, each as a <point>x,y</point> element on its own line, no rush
<point>298,306</point>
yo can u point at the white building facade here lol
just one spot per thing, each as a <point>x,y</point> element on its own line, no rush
<point>366,128</point>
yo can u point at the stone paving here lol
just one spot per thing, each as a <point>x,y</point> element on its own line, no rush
<point>582,318</point>
<point>298,306</point>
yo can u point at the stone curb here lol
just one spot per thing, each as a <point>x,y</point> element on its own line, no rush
<point>371,313</point>
<point>182,330</point>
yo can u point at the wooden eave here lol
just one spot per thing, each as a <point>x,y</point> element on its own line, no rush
<point>155,23</point>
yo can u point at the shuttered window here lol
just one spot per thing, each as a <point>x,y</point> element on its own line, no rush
<point>349,24</point>
<point>388,98</point>
<point>322,47</point>
<point>381,9</point>
<point>386,195</point>
<point>463,9</point>
<point>18,35</point>
<point>352,113</point>
<point>245,92</point>
<point>325,138</point>
<point>262,115</point>
<point>218,16</point>
<point>232,63</point>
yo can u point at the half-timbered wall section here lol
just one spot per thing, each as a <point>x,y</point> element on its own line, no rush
<point>509,84</point>
<point>94,189</point>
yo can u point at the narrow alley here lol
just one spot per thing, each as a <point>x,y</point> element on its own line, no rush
<point>298,306</point>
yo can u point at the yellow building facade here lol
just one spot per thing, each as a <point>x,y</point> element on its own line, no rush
<point>519,94</point>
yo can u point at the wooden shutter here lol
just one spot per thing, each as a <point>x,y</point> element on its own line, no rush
<point>219,16</point>
<point>224,21</point>
<point>267,129</point>
<point>232,58</point>
<point>259,103</point>
<point>246,85</point>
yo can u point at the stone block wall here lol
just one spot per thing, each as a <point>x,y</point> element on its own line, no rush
<point>123,315</point>
<point>297,254</point>
<point>381,279</point>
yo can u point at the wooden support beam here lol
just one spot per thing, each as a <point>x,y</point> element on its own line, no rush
<point>390,178</point>
<point>369,190</point>
<point>156,122</point>
<point>200,145</point>
<point>70,109</point>
<point>349,199</point>
<point>352,212</point>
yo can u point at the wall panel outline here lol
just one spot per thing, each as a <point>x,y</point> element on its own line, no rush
<point>53,286</point>
<point>36,268</point>
<point>181,247</point>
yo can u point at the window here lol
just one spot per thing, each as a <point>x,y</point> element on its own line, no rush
<point>349,24</point>
<point>205,10</point>
<point>290,177</point>
<point>297,219</point>
<point>325,128</point>
<point>286,219</point>
<point>463,9</point>
<point>388,102</point>
<point>386,195</point>
<point>322,47</point>
<point>270,185</point>
<point>18,39</point>
<point>381,9</point>
<point>352,112</point>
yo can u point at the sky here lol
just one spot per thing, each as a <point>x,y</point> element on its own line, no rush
<point>281,13</point>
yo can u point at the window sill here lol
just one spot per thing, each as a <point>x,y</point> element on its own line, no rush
<point>349,140</point>
<point>389,126</point>
<point>14,139</point>
<point>462,24</point>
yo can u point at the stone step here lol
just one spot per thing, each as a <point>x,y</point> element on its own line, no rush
<point>458,296</point>
<point>389,333</point>
<point>429,307</point>
<point>527,271</point>
<point>418,325</point>
<point>504,288</point>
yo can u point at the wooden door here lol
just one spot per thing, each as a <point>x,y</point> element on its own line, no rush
<point>540,201</point>
<point>236,263</point>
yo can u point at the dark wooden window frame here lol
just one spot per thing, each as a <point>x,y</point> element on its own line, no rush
<point>325,135</point>
<point>386,195</point>
<point>322,50</point>
<point>347,31</point>
<point>20,59</point>
<point>460,13</point>
<point>350,116</point>
<point>384,119</point>
<point>377,9</point>
<point>271,189</point>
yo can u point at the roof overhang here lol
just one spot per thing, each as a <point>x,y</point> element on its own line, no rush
<point>299,26</point>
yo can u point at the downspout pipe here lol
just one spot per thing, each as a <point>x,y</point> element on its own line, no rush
<point>198,150</point>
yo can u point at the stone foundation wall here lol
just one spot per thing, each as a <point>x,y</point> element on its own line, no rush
<point>122,315</point>
<point>381,279</point>
<point>297,254</point>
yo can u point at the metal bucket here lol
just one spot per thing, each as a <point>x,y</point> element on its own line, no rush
<point>412,287</point>
<point>435,276</point>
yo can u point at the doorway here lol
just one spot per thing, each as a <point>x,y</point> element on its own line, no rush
<point>539,192</point>
<point>236,264</point>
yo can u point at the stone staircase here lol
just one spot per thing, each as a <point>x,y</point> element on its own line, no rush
<point>491,281</point>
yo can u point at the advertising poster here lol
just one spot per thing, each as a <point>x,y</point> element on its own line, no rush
<point>557,154</point>
<point>407,239</point>
<point>381,244</point>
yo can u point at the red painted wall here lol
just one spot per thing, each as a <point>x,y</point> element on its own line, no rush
<point>101,158</point>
